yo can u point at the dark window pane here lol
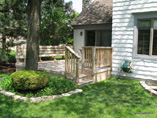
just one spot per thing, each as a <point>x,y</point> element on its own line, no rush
<point>90,39</point>
<point>155,24</point>
<point>103,38</point>
<point>155,43</point>
<point>143,37</point>
<point>144,24</point>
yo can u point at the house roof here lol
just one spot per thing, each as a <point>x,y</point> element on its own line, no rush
<point>98,12</point>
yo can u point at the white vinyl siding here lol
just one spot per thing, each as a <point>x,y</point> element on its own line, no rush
<point>123,36</point>
<point>79,40</point>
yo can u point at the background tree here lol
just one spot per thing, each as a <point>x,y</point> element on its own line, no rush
<point>12,23</point>
<point>55,22</point>
<point>12,19</point>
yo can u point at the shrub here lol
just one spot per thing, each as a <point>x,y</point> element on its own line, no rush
<point>3,56</point>
<point>11,57</point>
<point>7,56</point>
<point>10,43</point>
<point>6,84</point>
<point>29,80</point>
<point>57,86</point>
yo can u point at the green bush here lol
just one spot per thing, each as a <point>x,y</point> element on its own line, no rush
<point>6,57</point>
<point>6,84</point>
<point>57,86</point>
<point>29,80</point>
<point>10,43</point>
<point>11,57</point>
<point>3,56</point>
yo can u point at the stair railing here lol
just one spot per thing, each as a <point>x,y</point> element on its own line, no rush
<point>96,57</point>
<point>72,64</point>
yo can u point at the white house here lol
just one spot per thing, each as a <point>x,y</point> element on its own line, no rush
<point>93,27</point>
<point>134,33</point>
<point>134,37</point>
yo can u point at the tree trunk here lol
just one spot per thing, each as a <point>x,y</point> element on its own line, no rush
<point>33,38</point>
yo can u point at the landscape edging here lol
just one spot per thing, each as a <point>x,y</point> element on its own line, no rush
<point>38,99</point>
<point>148,88</point>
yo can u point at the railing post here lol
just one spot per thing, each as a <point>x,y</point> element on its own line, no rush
<point>93,60</point>
<point>83,57</point>
<point>66,61</point>
<point>111,58</point>
<point>77,72</point>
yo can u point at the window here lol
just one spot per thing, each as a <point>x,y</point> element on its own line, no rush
<point>98,38</point>
<point>147,37</point>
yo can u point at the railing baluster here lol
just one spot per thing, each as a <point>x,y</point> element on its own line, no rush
<point>71,56</point>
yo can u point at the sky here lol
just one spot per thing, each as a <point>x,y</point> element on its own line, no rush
<point>77,5</point>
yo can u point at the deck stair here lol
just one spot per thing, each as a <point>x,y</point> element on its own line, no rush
<point>95,65</point>
<point>83,80</point>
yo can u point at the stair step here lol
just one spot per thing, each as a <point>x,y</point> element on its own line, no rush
<point>82,75</point>
<point>85,82</point>
<point>84,79</point>
<point>81,78</point>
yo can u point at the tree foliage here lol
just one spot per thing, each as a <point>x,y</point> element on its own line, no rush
<point>12,19</point>
<point>55,22</point>
<point>13,23</point>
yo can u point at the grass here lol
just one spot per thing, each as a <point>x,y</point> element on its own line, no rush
<point>109,99</point>
<point>47,58</point>
<point>12,52</point>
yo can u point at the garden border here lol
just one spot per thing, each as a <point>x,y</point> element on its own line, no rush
<point>148,88</point>
<point>38,99</point>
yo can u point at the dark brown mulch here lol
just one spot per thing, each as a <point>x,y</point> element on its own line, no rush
<point>7,68</point>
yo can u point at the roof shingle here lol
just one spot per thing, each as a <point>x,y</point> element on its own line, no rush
<point>99,12</point>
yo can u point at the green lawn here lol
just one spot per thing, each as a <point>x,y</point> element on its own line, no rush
<point>56,57</point>
<point>109,99</point>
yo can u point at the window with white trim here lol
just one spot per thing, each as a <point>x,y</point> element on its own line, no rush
<point>147,37</point>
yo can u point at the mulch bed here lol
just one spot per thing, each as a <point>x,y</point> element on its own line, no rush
<point>151,83</point>
<point>7,68</point>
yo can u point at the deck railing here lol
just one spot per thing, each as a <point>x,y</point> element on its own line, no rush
<point>96,57</point>
<point>72,64</point>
